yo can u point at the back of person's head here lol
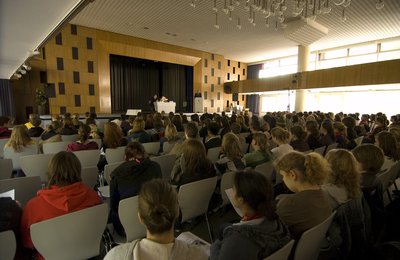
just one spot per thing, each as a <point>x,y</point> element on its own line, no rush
<point>93,115</point>
<point>177,120</point>
<point>135,151</point>
<point>195,156</point>
<point>256,191</point>
<point>345,171</point>
<point>370,156</point>
<point>112,135</point>
<point>312,127</point>
<point>32,117</point>
<point>67,122</point>
<point>138,125</point>
<point>261,141</point>
<point>386,141</point>
<point>158,206</point>
<point>67,116</point>
<point>298,132</point>
<point>4,120</point>
<point>213,128</point>
<point>64,169</point>
<point>349,122</point>
<point>231,146</point>
<point>224,122</point>
<point>19,138</point>
<point>191,130</point>
<point>395,131</point>
<point>312,167</point>
<point>170,132</point>
<point>328,127</point>
<point>280,134</point>
<point>195,118</point>
<point>236,128</point>
<point>255,124</point>
<point>84,132</point>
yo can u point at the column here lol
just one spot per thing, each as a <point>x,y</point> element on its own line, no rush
<point>303,54</point>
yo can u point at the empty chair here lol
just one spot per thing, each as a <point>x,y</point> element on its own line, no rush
<point>331,147</point>
<point>128,215</point>
<point>6,167</point>
<point>166,163</point>
<point>25,187</point>
<point>14,156</point>
<point>266,169</point>
<point>55,147</point>
<point>88,158</point>
<point>226,183</point>
<point>213,154</point>
<point>114,155</point>
<point>309,243</point>
<point>194,198</point>
<point>282,253</point>
<point>8,245</point>
<point>152,148</point>
<point>320,150</point>
<point>109,168</point>
<point>2,144</point>
<point>69,138</point>
<point>89,176</point>
<point>36,165</point>
<point>76,235</point>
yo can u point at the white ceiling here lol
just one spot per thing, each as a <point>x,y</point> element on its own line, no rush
<point>194,26</point>
<point>25,24</point>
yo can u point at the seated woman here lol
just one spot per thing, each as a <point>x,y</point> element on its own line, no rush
<point>127,178</point>
<point>309,205</point>
<point>68,127</point>
<point>260,153</point>
<point>192,165</point>
<point>52,132</point>
<point>84,142</point>
<point>170,136</point>
<point>281,137</point>
<point>343,182</point>
<point>231,157</point>
<point>313,137</point>
<point>327,132</point>
<point>260,232</point>
<point>36,130</point>
<point>340,135</point>
<point>137,133</point>
<point>65,193</point>
<point>158,210</point>
<point>386,141</point>
<point>298,141</point>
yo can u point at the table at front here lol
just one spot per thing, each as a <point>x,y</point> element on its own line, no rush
<point>165,106</point>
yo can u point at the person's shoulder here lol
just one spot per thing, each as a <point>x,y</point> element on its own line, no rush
<point>192,252</point>
<point>121,251</point>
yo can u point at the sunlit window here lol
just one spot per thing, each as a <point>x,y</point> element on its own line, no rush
<point>390,55</point>
<point>391,45</point>
<point>359,50</point>
<point>325,64</point>
<point>335,54</point>
<point>362,59</point>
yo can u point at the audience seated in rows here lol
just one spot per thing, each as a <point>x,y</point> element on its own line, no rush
<point>260,231</point>
<point>213,139</point>
<point>260,153</point>
<point>68,127</point>
<point>64,193</point>
<point>170,136</point>
<point>327,133</point>
<point>84,143</point>
<point>231,156</point>
<point>127,178</point>
<point>138,133</point>
<point>281,137</point>
<point>298,141</point>
<point>191,132</point>
<point>313,138</point>
<point>386,141</point>
<point>309,205</point>
<point>158,210</point>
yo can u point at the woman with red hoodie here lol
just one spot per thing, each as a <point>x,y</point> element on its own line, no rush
<point>65,193</point>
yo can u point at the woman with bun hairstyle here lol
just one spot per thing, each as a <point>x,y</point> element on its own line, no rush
<point>84,143</point>
<point>260,231</point>
<point>309,205</point>
<point>158,210</point>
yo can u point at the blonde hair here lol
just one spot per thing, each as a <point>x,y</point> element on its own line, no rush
<point>19,138</point>
<point>231,146</point>
<point>345,171</point>
<point>112,135</point>
<point>281,134</point>
<point>261,141</point>
<point>170,132</point>
<point>158,206</point>
<point>312,167</point>
<point>138,125</point>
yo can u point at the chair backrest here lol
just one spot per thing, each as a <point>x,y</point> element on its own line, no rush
<point>244,147</point>
<point>213,153</point>
<point>194,197</point>
<point>152,148</point>
<point>10,154</point>
<point>309,243</point>
<point>331,147</point>
<point>359,139</point>
<point>114,155</point>
<point>8,245</point>
<point>97,140</point>
<point>128,215</point>
<point>266,169</point>
<point>55,147</point>
<point>76,235</point>
<point>36,165</point>
<point>69,138</point>
<point>25,187</point>
<point>6,167</point>
<point>2,144</point>
<point>88,158</point>
<point>167,147</point>
<point>320,150</point>
<point>109,168</point>
<point>166,163</point>
<point>89,176</point>
<point>226,183</point>
<point>282,253</point>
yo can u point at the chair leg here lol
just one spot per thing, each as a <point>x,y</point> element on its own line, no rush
<point>210,233</point>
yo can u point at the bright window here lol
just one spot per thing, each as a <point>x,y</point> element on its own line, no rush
<point>371,48</point>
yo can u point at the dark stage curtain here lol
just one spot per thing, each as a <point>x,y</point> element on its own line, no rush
<point>7,106</point>
<point>133,83</point>
<point>253,103</point>
<point>174,84</point>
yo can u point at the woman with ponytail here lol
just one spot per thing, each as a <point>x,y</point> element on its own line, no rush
<point>260,232</point>
<point>309,205</point>
<point>158,210</point>
<point>84,142</point>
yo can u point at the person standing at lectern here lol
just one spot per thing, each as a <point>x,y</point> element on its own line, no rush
<point>153,100</point>
<point>197,94</point>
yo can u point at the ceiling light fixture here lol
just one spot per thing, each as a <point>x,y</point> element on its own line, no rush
<point>26,67</point>
<point>17,75</point>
